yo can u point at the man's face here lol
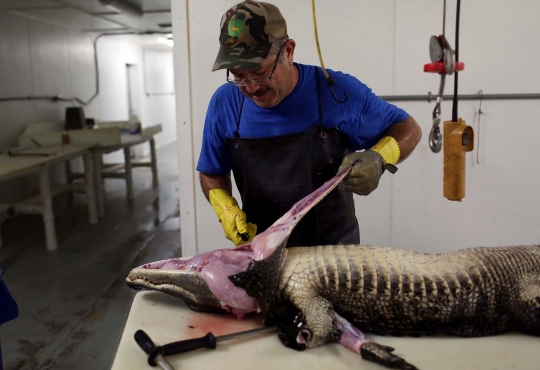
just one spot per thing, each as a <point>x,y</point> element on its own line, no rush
<point>274,91</point>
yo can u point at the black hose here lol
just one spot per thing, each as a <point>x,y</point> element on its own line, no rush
<point>455,102</point>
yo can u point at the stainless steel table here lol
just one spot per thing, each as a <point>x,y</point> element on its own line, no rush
<point>166,319</point>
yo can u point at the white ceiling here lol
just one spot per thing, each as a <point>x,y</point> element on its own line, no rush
<point>92,16</point>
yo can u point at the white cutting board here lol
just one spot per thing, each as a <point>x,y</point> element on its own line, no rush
<point>166,319</point>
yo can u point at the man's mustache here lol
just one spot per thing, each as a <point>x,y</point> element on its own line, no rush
<point>258,92</point>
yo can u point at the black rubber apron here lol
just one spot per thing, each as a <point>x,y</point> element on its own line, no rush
<point>274,173</point>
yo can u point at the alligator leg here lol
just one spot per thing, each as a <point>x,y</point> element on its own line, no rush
<point>316,324</point>
<point>311,326</point>
<point>529,314</point>
<point>355,340</point>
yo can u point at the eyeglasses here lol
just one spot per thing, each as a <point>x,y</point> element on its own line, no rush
<point>256,81</point>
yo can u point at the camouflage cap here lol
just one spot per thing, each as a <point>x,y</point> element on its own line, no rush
<point>248,30</point>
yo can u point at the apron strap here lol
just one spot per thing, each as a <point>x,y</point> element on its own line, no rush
<point>237,132</point>
<point>319,96</point>
<point>322,134</point>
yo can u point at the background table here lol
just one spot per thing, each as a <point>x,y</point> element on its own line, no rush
<point>119,170</point>
<point>166,319</point>
<point>104,140</point>
<point>23,165</point>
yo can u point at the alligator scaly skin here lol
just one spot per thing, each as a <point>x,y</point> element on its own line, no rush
<point>469,292</point>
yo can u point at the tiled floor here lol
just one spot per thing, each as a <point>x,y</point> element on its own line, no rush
<point>74,302</point>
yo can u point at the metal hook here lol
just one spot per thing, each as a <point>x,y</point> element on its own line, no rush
<point>435,136</point>
<point>331,82</point>
<point>335,97</point>
<point>435,139</point>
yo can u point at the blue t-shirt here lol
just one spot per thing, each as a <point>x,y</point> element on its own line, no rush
<point>363,118</point>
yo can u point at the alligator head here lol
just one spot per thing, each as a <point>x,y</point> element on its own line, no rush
<point>189,285</point>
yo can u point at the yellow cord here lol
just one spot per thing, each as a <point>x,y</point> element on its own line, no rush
<point>317,38</point>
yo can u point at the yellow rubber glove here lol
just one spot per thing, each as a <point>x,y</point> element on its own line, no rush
<point>232,218</point>
<point>389,150</point>
<point>365,174</point>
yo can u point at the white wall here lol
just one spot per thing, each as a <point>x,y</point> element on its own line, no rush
<point>159,90</point>
<point>155,75</point>
<point>38,59</point>
<point>385,44</point>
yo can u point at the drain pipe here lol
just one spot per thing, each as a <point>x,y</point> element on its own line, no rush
<point>430,97</point>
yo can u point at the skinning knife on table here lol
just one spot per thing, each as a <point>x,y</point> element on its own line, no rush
<point>156,354</point>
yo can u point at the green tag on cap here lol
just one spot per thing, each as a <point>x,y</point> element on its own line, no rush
<point>236,27</point>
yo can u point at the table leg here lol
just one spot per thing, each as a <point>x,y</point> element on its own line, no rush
<point>98,182</point>
<point>90,191</point>
<point>128,173</point>
<point>69,180</point>
<point>69,172</point>
<point>46,202</point>
<point>153,163</point>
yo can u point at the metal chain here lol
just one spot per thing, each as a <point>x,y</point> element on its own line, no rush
<point>435,136</point>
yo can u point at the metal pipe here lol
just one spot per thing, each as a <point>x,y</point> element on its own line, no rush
<point>57,98</point>
<point>430,97</point>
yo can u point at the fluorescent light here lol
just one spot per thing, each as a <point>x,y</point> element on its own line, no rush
<point>165,41</point>
<point>124,7</point>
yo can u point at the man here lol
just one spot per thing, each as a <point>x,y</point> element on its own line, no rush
<point>283,133</point>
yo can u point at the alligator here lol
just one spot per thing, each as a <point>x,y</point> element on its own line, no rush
<point>323,294</point>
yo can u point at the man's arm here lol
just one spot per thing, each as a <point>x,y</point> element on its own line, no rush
<point>397,143</point>
<point>407,134</point>
<point>209,182</point>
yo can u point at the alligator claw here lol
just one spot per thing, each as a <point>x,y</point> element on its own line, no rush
<point>388,348</point>
<point>382,355</point>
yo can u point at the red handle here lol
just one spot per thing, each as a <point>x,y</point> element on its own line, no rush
<point>439,67</point>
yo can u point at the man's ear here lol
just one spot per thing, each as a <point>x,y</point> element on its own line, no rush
<point>289,51</point>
